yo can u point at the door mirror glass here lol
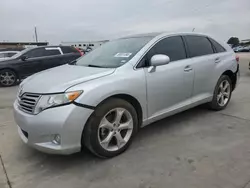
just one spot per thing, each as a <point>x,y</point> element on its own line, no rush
<point>24,57</point>
<point>159,59</point>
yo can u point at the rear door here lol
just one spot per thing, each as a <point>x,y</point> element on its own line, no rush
<point>69,54</point>
<point>52,57</point>
<point>204,62</point>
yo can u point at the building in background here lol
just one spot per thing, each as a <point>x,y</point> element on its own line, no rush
<point>245,42</point>
<point>5,46</point>
<point>85,44</point>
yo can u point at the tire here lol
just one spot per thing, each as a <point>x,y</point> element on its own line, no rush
<point>216,103</point>
<point>93,132</point>
<point>11,77</point>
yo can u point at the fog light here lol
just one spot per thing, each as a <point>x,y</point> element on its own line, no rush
<point>57,139</point>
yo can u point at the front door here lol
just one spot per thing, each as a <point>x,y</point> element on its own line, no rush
<point>169,87</point>
<point>33,63</point>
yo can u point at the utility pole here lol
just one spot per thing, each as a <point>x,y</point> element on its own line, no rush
<point>193,29</point>
<point>36,35</point>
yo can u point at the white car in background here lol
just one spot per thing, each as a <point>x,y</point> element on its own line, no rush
<point>7,54</point>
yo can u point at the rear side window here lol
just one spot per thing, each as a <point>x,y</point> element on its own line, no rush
<point>68,49</point>
<point>199,46</point>
<point>217,46</point>
<point>171,46</point>
<point>49,52</point>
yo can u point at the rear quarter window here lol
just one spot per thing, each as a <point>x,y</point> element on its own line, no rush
<point>217,46</point>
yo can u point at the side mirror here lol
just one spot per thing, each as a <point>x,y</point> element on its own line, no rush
<point>159,59</point>
<point>24,57</point>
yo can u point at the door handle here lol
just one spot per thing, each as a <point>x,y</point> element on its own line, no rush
<point>188,68</point>
<point>217,60</point>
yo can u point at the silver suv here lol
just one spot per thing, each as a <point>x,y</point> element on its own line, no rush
<point>102,99</point>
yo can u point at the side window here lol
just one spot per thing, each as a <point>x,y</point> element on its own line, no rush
<point>172,47</point>
<point>39,52</point>
<point>68,49</point>
<point>199,46</point>
<point>49,52</point>
<point>217,46</point>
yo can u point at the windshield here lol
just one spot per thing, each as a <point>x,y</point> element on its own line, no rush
<point>20,53</point>
<point>114,54</point>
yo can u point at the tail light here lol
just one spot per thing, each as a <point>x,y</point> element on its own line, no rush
<point>79,51</point>
<point>237,58</point>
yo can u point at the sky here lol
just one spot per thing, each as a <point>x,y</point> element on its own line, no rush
<point>82,20</point>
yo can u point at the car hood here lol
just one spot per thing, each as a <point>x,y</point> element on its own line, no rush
<point>61,78</point>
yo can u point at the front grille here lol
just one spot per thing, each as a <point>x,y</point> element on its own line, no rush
<point>27,102</point>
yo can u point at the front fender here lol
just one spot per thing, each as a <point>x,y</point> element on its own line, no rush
<point>98,90</point>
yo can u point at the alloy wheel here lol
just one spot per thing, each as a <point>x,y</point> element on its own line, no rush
<point>7,78</point>
<point>115,129</point>
<point>224,93</point>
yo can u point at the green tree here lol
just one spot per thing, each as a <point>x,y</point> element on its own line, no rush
<point>234,41</point>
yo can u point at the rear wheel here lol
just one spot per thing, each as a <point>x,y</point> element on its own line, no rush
<point>7,78</point>
<point>222,93</point>
<point>111,128</point>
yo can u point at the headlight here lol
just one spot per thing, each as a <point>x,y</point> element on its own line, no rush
<point>48,101</point>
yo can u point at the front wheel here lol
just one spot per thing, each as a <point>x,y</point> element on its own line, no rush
<point>222,93</point>
<point>7,78</point>
<point>111,128</point>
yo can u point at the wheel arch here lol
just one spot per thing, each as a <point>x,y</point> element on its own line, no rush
<point>7,68</point>
<point>130,99</point>
<point>232,76</point>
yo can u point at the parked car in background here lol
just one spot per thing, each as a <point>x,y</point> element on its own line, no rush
<point>87,50</point>
<point>238,48</point>
<point>242,49</point>
<point>246,49</point>
<point>102,99</point>
<point>7,54</point>
<point>34,60</point>
<point>80,50</point>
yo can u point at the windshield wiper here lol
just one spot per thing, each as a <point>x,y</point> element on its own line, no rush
<point>96,66</point>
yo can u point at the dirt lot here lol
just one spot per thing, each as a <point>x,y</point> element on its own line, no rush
<point>197,148</point>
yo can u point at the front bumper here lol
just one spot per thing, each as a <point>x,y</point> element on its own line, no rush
<point>38,130</point>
